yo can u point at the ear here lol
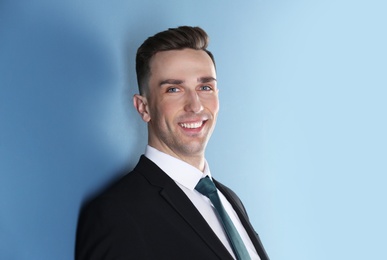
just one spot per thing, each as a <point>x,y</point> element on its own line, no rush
<point>141,105</point>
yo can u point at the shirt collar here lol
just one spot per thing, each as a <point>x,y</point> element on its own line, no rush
<point>180,171</point>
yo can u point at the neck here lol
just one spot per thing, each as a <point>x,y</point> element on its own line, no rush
<point>196,160</point>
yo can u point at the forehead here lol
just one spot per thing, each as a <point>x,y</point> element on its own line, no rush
<point>182,62</point>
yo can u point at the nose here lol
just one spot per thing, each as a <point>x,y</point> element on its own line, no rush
<point>193,103</point>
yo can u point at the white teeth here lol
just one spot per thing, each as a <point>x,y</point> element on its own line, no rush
<point>192,125</point>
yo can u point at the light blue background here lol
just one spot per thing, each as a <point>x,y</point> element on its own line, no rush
<point>301,135</point>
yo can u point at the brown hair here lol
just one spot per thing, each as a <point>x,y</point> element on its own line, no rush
<point>171,39</point>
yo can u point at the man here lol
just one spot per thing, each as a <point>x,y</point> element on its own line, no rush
<point>155,212</point>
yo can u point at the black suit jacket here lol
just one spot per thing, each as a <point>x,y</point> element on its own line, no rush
<point>147,216</point>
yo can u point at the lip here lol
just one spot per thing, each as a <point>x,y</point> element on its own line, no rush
<point>193,126</point>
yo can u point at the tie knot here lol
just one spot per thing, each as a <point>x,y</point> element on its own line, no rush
<point>206,186</point>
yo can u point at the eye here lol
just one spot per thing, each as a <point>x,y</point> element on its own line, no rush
<point>206,88</point>
<point>172,90</point>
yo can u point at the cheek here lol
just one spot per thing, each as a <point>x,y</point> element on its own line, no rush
<point>213,105</point>
<point>165,110</point>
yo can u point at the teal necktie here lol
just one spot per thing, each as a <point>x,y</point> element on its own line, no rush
<point>208,189</point>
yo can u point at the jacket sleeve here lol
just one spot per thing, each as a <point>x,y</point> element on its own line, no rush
<point>106,231</point>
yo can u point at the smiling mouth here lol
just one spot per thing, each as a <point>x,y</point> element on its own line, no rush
<point>193,125</point>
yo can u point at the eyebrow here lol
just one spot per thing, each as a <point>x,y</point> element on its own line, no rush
<point>206,79</point>
<point>171,82</point>
<point>178,81</point>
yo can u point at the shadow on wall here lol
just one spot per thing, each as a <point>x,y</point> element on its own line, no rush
<point>59,93</point>
<point>55,81</point>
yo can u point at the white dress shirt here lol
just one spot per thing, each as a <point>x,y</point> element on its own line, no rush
<point>187,177</point>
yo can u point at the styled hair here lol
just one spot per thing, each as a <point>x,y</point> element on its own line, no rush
<point>172,39</point>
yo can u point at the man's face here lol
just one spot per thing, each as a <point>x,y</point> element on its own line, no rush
<point>182,102</point>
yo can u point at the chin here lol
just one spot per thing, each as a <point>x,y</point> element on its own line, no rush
<point>192,150</point>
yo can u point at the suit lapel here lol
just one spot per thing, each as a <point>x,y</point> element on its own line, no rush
<point>181,203</point>
<point>242,214</point>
